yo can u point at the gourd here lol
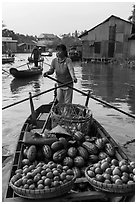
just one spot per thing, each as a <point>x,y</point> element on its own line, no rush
<point>83,152</point>
<point>93,158</point>
<point>90,147</point>
<point>102,155</point>
<point>72,152</point>
<point>31,153</point>
<point>79,161</point>
<point>63,141</point>
<point>100,143</point>
<point>59,155</point>
<point>78,136</point>
<point>109,149</point>
<point>68,161</point>
<point>57,146</point>
<point>47,151</point>
<point>77,172</point>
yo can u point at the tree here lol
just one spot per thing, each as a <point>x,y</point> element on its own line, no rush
<point>132,17</point>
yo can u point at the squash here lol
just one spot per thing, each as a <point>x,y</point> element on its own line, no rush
<point>90,147</point>
<point>47,151</point>
<point>72,152</point>
<point>57,146</point>
<point>83,152</point>
<point>79,161</point>
<point>59,155</point>
<point>31,153</point>
<point>68,162</point>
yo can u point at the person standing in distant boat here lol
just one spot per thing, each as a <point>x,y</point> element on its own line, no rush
<point>35,55</point>
<point>63,67</point>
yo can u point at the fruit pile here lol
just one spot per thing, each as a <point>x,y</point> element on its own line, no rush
<point>42,176</point>
<point>47,166</point>
<point>113,171</point>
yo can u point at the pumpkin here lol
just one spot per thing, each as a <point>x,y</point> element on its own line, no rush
<point>31,153</point>
<point>63,141</point>
<point>57,146</point>
<point>100,143</point>
<point>47,151</point>
<point>83,152</point>
<point>72,152</point>
<point>68,161</point>
<point>93,158</point>
<point>59,155</point>
<point>90,147</point>
<point>78,136</point>
<point>77,172</point>
<point>79,161</point>
<point>102,155</point>
<point>109,149</point>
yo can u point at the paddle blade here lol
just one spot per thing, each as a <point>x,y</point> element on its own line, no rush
<point>33,113</point>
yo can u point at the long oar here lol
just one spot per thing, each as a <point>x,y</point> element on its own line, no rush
<point>49,114</point>
<point>93,97</point>
<point>22,65</point>
<point>6,71</point>
<point>52,89</point>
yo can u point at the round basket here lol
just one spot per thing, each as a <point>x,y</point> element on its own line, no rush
<point>43,193</point>
<point>112,188</point>
<point>71,117</point>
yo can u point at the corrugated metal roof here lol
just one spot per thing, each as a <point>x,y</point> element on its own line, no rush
<point>86,33</point>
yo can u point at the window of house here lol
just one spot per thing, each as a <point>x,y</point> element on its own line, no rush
<point>97,46</point>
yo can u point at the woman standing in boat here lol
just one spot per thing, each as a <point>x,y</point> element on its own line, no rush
<point>36,55</point>
<point>63,67</point>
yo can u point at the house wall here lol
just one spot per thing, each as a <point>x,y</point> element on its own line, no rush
<point>109,39</point>
<point>9,45</point>
<point>131,51</point>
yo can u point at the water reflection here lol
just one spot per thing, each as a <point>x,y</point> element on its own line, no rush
<point>17,85</point>
<point>111,83</point>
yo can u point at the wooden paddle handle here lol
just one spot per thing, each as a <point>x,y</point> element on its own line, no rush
<point>44,126</point>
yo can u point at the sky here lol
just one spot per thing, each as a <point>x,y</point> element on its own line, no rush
<point>60,17</point>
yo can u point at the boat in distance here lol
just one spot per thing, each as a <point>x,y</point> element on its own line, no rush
<point>26,73</point>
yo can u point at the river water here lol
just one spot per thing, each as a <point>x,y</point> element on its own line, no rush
<point>112,83</point>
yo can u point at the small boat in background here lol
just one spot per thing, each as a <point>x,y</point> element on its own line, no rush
<point>75,55</point>
<point>8,59</point>
<point>31,60</point>
<point>47,54</point>
<point>26,72</point>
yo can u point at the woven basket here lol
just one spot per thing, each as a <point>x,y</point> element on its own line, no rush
<point>112,188</point>
<point>73,117</point>
<point>43,193</point>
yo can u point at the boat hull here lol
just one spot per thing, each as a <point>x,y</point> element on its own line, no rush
<point>26,73</point>
<point>93,195</point>
<point>8,60</point>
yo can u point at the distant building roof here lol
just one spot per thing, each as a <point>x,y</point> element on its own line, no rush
<point>8,39</point>
<point>45,35</point>
<point>86,33</point>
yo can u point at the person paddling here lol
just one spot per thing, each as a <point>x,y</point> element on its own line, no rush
<point>35,55</point>
<point>64,70</point>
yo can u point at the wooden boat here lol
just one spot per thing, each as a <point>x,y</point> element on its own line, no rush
<point>48,54</point>
<point>7,59</point>
<point>75,55</point>
<point>31,60</point>
<point>82,193</point>
<point>26,73</point>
